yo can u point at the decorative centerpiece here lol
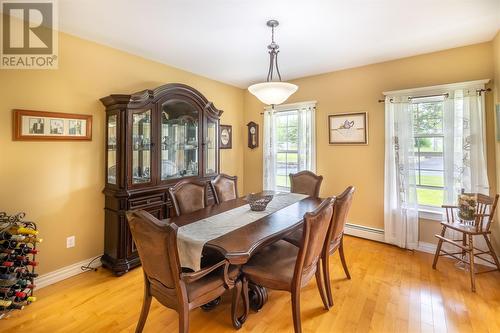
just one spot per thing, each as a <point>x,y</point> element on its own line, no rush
<point>258,202</point>
<point>467,207</point>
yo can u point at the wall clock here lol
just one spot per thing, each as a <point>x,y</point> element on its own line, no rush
<point>226,137</point>
<point>253,135</point>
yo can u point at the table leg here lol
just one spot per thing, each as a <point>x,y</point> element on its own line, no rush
<point>258,296</point>
<point>211,305</point>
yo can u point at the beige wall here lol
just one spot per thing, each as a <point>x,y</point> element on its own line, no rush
<point>496,59</point>
<point>58,184</point>
<point>358,89</point>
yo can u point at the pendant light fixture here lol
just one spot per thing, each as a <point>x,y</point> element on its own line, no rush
<point>273,92</point>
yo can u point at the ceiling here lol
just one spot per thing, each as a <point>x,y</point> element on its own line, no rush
<point>226,39</point>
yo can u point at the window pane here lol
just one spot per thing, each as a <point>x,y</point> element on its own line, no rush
<point>431,178</point>
<point>281,138</point>
<point>429,145</point>
<point>430,197</point>
<point>281,181</point>
<point>428,118</point>
<point>292,138</point>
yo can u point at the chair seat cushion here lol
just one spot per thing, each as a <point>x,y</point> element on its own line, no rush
<point>295,237</point>
<point>273,266</point>
<point>210,283</point>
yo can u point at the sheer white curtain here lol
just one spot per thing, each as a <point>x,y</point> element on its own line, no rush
<point>306,140</point>
<point>400,192</point>
<point>465,144</point>
<point>269,150</point>
<point>465,150</point>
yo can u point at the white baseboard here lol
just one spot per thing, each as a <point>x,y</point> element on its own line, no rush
<point>64,273</point>
<point>364,232</point>
<point>431,248</point>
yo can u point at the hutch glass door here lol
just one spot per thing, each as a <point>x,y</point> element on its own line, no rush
<point>212,143</point>
<point>111,149</point>
<point>179,140</point>
<point>141,147</point>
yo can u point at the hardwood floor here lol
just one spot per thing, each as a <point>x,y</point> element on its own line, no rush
<point>391,290</point>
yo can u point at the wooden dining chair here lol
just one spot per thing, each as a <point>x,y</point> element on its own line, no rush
<point>305,182</point>
<point>224,188</point>
<point>335,237</point>
<point>188,196</point>
<point>283,266</point>
<point>480,226</point>
<point>164,279</point>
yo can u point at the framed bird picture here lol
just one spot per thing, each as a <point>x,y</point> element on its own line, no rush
<point>348,128</point>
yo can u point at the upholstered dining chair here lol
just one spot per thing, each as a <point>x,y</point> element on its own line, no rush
<point>224,188</point>
<point>335,237</point>
<point>188,196</point>
<point>283,266</point>
<point>164,279</point>
<point>305,182</point>
<point>480,226</point>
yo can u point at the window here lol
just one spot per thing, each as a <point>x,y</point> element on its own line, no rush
<point>429,159</point>
<point>289,143</point>
<point>287,150</point>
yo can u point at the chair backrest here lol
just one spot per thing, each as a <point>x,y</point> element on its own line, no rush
<point>224,188</point>
<point>485,205</point>
<point>316,225</point>
<point>188,196</point>
<point>340,211</point>
<point>156,243</point>
<point>305,182</point>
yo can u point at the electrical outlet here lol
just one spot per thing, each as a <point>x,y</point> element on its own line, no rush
<point>70,242</point>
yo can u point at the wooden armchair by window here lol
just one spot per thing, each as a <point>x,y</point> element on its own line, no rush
<point>335,237</point>
<point>224,188</point>
<point>283,266</point>
<point>305,182</point>
<point>164,279</point>
<point>480,226</point>
<point>188,196</point>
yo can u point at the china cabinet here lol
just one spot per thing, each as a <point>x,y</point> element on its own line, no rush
<point>154,138</point>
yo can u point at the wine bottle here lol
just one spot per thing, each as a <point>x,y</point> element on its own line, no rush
<point>8,244</point>
<point>7,264</point>
<point>26,250</point>
<point>25,262</point>
<point>23,283</point>
<point>5,303</point>
<point>32,240</point>
<point>27,275</point>
<point>15,306</point>
<point>27,231</point>
<point>7,235</point>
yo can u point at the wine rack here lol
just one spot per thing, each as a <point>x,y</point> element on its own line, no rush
<point>18,240</point>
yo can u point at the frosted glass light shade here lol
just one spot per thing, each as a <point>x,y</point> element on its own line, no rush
<point>273,92</point>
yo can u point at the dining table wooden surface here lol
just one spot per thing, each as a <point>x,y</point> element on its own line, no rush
<point>239,245</point>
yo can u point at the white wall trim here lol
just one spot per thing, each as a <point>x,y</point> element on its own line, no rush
<point>64,273</point>
<point>431,248</point>
<point>364,232</point>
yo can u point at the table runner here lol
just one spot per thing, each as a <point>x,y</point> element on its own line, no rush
<point>192,237</point>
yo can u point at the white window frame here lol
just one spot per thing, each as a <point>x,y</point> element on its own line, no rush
<point>290,108</point>
<point>429,212</point>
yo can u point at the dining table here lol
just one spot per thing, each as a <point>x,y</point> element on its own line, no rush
<point>245,236</point>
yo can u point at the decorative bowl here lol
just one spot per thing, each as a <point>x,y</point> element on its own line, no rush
<point>258,202</point>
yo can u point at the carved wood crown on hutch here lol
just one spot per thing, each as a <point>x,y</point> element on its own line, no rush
<point>122,194</point>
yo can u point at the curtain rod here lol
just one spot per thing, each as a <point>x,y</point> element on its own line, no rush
<point>479,91</point>
<point>292,109</point>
